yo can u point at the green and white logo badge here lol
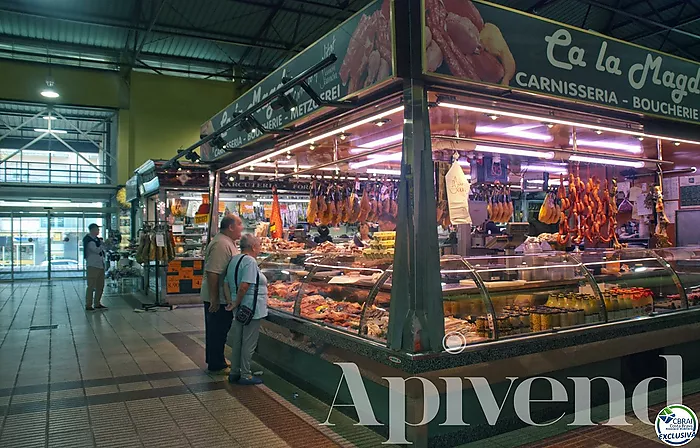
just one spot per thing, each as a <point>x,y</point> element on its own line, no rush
<point>676,425</point>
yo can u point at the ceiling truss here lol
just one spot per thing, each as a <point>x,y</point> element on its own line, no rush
<point>249,53</point>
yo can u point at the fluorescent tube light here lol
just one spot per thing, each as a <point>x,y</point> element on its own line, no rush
<point>387,172</point>
<point>46,117</point>
<point>603,161</point>
<point>520,131</point>
<point>53,131</point>
<point>604,144</point>
<point>53,201</point>
<point>378,143</point>
<point>317,138</point>
<point>394,157</point>
<point>557,169</point>
<point>550,120</point>
<point>49,93</point>
<point>515,152</point>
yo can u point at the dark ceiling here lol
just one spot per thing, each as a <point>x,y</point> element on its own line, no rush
<point>246,39</point>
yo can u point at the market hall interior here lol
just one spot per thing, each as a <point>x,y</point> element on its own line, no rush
<point>437,189</point>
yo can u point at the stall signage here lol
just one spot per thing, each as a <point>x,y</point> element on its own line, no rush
<point>201,219</point>
<point>485,43</point>
<point>358,67</point>
<point>132,188</point>
<point>259,185</point>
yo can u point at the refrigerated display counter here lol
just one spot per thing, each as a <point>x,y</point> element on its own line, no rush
<point>556,314</point>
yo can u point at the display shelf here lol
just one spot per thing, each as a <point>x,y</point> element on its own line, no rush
<point>560,292</point>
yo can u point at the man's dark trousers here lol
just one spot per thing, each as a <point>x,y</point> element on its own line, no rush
<point>216,327</point>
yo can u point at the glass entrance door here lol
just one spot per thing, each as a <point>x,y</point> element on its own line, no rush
<point>43,244</point>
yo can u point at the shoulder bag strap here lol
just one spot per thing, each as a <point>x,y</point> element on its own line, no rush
<point>235,274</point>
<point>257,283</point>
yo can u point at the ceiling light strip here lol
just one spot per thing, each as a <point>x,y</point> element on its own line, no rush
<point>606,161</point>
<point>316,138</point>
<point>482,143</point>
<point>593,127</point>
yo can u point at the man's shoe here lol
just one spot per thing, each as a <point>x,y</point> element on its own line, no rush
<point>219,371</point>
<point>101,307</point>
<point>89,308</point>
<point>233,378</point>
<point>252,381</point>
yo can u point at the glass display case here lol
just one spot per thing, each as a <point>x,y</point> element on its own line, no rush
<point>634,282</point>
<point>489,298</point>
<point>685,262</point>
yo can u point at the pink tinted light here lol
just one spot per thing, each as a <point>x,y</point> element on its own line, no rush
<point>607,144</point>
<point>520,131</point>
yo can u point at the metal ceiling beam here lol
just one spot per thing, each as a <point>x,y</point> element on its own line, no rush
<point>111,53</point>
<point>646,34</point>
<point>305,12</point>
<point>119,23</point>
<point>680,49</point>
<point>534,9</point>
<point>635,17</point>
<point>300,44</point>
<point>263,29</point>
<point>152,23</point>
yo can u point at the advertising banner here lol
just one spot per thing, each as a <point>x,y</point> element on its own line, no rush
<point>363,46</point>
<point>485,43</point>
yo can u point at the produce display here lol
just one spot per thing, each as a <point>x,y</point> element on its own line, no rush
<point>381,246</point>
<point>500,204</point>
<point>333,203</point>
<point>148,249</point>
<point>338,313</point>
<point>662,221</point>
<point>550,211</point>
<point>588,211</point>
<point>693,299</point>
<point>377,322</point>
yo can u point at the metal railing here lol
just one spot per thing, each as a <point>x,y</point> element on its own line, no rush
<point>51,173</point>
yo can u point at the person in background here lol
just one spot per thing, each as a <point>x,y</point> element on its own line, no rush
<point>491,228</point>
<point>217,320</point>
<point>324,235</point>
<point>245,337</point>
<point>94,254</point>
<point>362,238</point>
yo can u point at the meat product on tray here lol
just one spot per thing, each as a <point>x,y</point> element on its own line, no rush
<point>342,314</point>
<point>284,290</point>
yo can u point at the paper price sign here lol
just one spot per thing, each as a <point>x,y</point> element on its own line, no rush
<point>173,285</point>
<point>160,240</point>
<point>201,219</point>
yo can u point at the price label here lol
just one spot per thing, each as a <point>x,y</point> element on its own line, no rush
<point>197,265</point>
<point>197,282</point>
<point>173,285</point>
<point>160,240</point>
<point>186,273</point>
<point>201,219</point>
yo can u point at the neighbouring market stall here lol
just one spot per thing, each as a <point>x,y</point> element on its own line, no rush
<point>172,218</point>
<point>540,157</point>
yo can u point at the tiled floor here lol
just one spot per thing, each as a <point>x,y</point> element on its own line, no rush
<point>120,378</point>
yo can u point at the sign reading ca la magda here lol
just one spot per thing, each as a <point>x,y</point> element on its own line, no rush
<point>486,43</point>
<point>363,47</point>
